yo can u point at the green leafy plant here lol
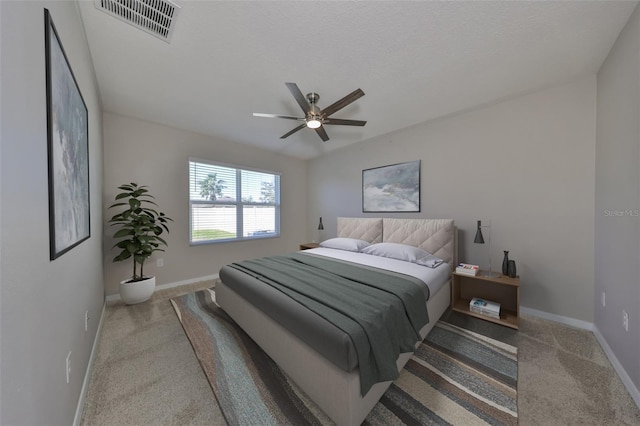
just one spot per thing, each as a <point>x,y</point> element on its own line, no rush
<point>140,227</point>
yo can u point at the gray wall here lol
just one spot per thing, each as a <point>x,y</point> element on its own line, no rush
<point>526,164</point>
<point>43,302</point>
<point>617,194</point>
<point>157,156</point>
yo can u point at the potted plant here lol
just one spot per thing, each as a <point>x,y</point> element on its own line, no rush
<point>139,230</point>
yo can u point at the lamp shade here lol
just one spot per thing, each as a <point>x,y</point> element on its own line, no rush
<point>479,239</point>
<point>320,225</point>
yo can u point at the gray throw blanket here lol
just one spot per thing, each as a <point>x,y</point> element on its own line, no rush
<point>382,313</point>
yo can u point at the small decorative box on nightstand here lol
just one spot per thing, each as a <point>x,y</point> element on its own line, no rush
<point>308,246</point>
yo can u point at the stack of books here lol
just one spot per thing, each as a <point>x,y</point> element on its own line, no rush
<point>467,269</point>
<point>485,307</point>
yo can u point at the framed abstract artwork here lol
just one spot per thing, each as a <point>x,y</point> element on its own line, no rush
<point>67,148</point>
<point>393,188</point>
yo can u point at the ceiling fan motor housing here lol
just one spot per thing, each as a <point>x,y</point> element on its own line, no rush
<point>314,111</point>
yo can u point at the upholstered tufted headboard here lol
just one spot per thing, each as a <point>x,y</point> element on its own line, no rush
<point>437,236</point>
<point>367,229</point>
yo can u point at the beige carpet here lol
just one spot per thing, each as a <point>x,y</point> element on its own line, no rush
<point>146,372</point>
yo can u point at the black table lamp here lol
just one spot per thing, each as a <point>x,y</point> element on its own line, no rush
<point>320,228</point>
<point>479,239</point>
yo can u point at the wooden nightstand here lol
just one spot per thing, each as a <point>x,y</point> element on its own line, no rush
<point>308,246</point>
<point>502,289</point>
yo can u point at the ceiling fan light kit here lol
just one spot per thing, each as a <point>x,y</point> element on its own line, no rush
<point>315,118</point>
<point>313,123</point>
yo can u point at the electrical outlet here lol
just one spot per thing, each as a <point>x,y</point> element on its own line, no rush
<point>603,300</point>
<point>86,320</point>
<point>160,262</point>
<point>68,366</point>
<point>625,320</point>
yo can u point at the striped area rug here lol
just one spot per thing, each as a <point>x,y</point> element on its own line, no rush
<point>456,377</point>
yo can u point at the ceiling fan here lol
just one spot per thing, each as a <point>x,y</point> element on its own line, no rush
<point>314,117</point>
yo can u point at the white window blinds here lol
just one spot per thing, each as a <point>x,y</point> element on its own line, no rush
<point>231,203</point>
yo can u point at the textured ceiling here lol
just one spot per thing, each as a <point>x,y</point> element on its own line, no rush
<point>415,61</point>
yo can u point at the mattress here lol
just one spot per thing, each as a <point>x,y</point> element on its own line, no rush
<point>331,342</point>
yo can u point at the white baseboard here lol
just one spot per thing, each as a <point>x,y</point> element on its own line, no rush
<point>87,374</point>
<point>558,318</point>
<point>116,297</point>
<point>626,380</point>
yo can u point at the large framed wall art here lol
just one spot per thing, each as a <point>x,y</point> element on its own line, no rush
<point>393,188</point>
<point>68,149</point>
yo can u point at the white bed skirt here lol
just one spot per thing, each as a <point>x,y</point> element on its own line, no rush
<point>334,390</point>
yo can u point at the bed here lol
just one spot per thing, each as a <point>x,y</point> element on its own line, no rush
<point>331,378</point>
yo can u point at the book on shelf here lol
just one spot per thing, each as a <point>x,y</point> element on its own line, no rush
<point>467,269</point>
<point>485,313</point>
<point>485,307</point>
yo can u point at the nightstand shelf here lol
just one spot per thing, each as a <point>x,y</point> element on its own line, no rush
<point>502,289</point>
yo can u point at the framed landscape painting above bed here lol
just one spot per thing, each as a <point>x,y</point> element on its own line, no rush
<point>393,188</point>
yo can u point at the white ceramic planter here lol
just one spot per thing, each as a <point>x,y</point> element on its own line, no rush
<point>138,291</point>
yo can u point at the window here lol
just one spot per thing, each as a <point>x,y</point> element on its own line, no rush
<point>228,203</point>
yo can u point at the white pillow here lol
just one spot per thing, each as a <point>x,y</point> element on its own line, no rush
<point>396,251</point>
<point>348,244</point>
<point>403,252</point>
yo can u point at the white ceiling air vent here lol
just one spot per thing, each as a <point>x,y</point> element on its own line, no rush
<point>157,17</point>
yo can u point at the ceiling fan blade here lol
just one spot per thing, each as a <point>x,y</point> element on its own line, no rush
<point>297,94</point>
<point>322,133</point>
<point>336,106</point>
<point>344,122</point>
<point>288,117</point>
<point>300,127</point>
